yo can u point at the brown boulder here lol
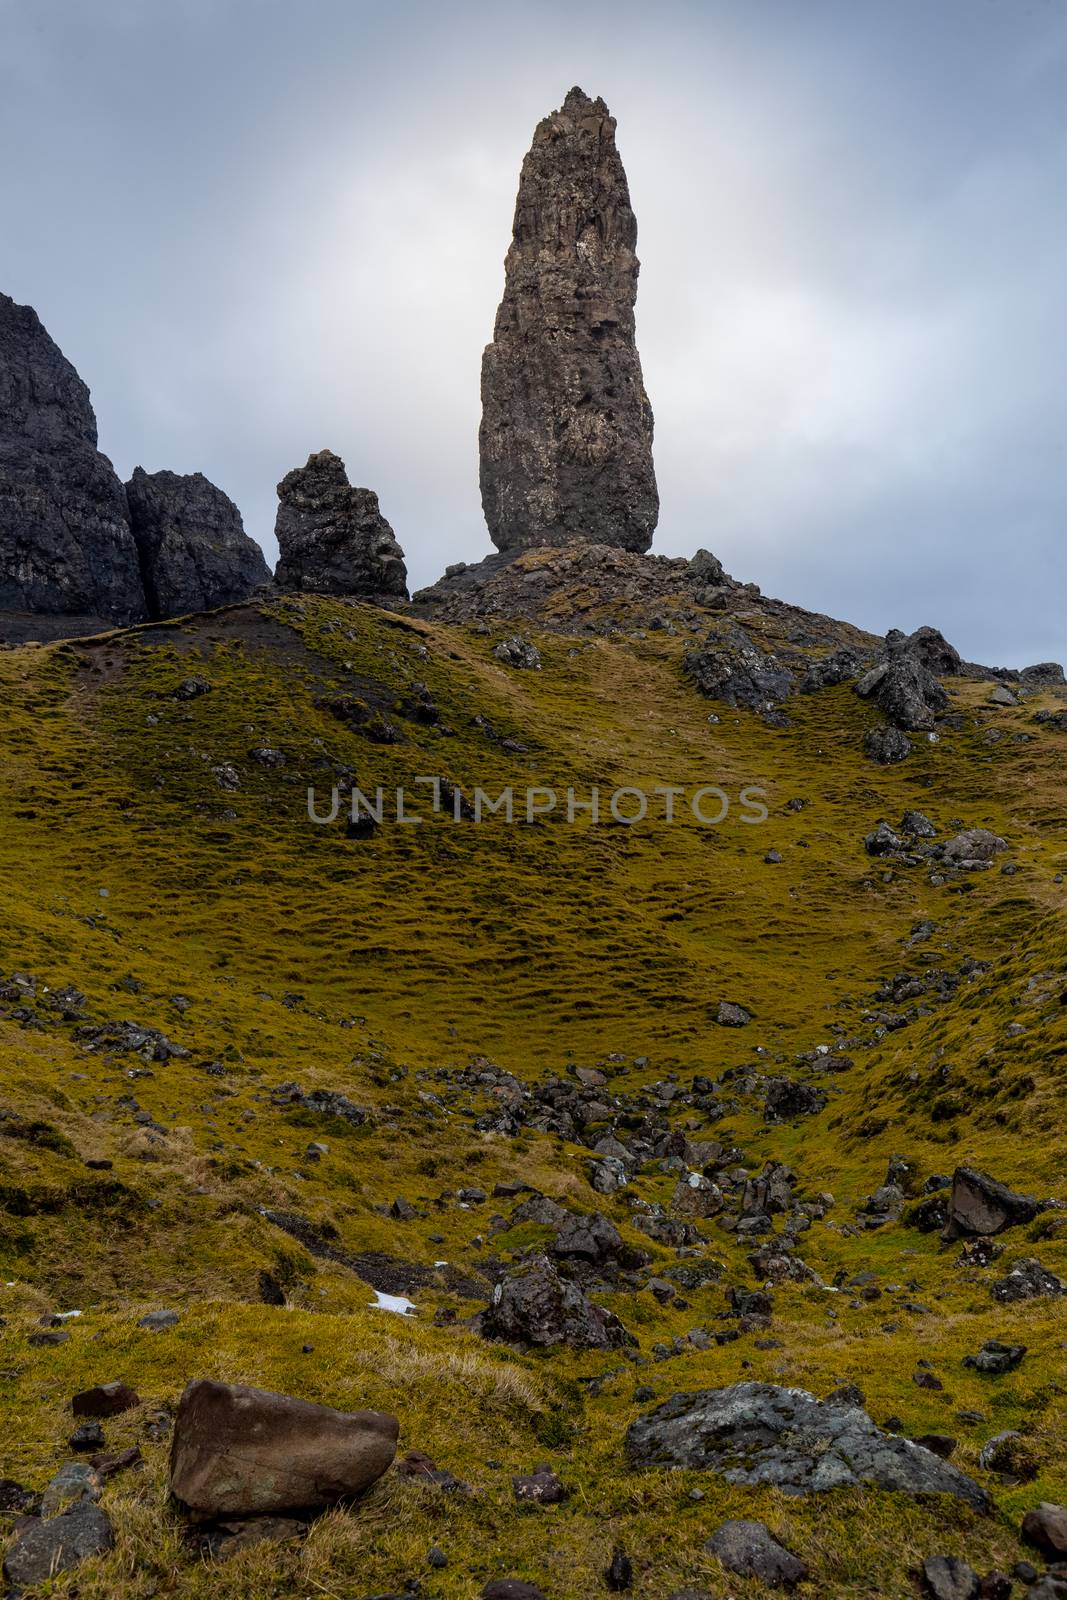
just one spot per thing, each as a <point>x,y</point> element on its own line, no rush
<point>105,1400</point>
<point>245,1452</point>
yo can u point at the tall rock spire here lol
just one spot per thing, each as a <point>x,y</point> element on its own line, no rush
<point>566,435</point>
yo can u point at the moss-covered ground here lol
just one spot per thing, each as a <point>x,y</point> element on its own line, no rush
<point>276,950</point>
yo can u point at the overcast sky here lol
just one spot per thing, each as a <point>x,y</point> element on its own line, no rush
<point>259,228</point>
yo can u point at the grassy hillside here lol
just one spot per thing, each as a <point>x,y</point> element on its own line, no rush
<point>152,863</point>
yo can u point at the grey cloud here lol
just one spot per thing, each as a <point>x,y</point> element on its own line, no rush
<point>259,229</point>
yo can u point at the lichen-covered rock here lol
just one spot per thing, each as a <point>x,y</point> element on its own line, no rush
<point>886,746</point>
<point>566,434</point>
<point>65,539</point>
<point>332,538</point>
<point>1027,1280</point>
<point>757,1433</point>
<point>974,848</point>
<point>192,545</point>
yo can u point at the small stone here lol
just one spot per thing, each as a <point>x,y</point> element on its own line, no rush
<point>436,1557</point>
<point>995,1586</point>
<point>732,1015</point>
<point>75,1480</point>
<point>995,1357</point>
<point>107,1466</point>
<point>105,1400</point>
<point>158,1321</point>
<point>14,1497</point>
<point>520,653</point>
<point>620,1573</point>
<point>53,1336</point>
<point>541,1487</point>
<point>1027,1280</point>
<point>87,1436</point>
<point>751,1550</point>
<point>946,1578</point>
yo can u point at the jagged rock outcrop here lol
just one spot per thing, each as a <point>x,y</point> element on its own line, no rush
<point>193,549</point>
<point>65,540</point>
<point>566,434</point>
<point>332,538</point>
<point>903,685</point>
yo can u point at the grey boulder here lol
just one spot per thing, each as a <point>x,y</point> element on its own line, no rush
<point>948,1578</point>
<point>758,1433</point>
<point>46,1548</point>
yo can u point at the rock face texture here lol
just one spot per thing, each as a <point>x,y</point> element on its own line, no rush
<point>566,435</point>
<point>247,1452</point>
<point>903,685</point>
<point>757,1433</point>
<point>193,549</point>
<point>332,538</point>
<point>536,1307</point>
<point>65,539</point>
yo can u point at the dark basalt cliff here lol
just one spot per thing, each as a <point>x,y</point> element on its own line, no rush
<point>65,540</point>
<point>566,434</point>
<point>193,548</point>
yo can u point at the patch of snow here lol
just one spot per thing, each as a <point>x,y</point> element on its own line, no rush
<point>392,1302</point>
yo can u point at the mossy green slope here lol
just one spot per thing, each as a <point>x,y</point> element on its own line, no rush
<point>273,949</point>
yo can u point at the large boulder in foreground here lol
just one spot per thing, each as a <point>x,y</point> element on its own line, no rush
<point>65,540</point>
<point>332,538</point>
<point>536,1307</point>
<point>566,434</point>
<point>194,552</point>
<point>247,1452</point>
<point>980,1206</point>
<point>757,1433</point>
